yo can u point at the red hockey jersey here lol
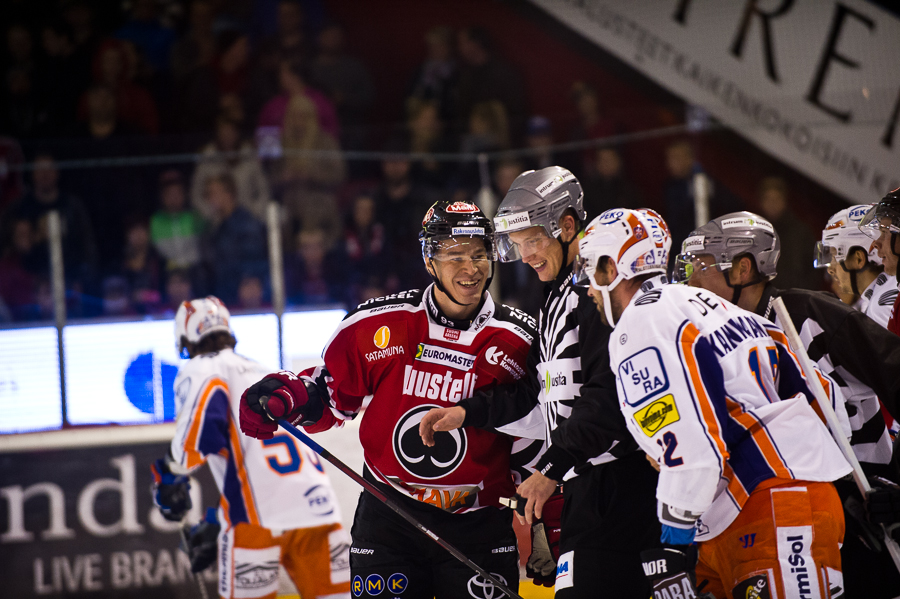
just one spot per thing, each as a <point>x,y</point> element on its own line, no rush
<point>403,357</point>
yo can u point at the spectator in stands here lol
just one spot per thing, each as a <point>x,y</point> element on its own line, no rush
<point>197,47</point>
<point>591,124</point>
<point>483,77</point>
<point>60,80</point>
<point>312,275</point>
<point>795,264</point>
<point>607,186</point>
<point>678,194</point>
<point>364,243</point>
<point>179,288</point>
<point>539,138</point>
<point>11,183</point>
<point>436,78</point>
<point>79,246</point>
<point>347,82</point>
<point>237,247</point>
<point>148,34</point>
<point>230,153</point>
<point>308,181</point>
<point>426,136</point>
<point>102,115</point>
<point>401,203</point>
<point>24,113</point>
<point>175,231</point>
<point>116,300</point>
<point>488,132</point>
<point>19,267</point>
<point>114,67</point>
<point>251,295</point>
<point>291,36</point>
<point>293,83</point>
<point>141,268</point>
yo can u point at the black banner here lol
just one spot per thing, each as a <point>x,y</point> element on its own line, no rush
<point>81,523</point>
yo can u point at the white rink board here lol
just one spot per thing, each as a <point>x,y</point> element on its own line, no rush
<point>29,380</point>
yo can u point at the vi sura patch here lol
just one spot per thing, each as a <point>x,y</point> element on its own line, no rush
<point>643,376</point>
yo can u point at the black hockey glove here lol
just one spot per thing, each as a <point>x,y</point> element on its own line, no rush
<point>670,569</point>
<point>883,505</point>
<point>202,541</point>
<point>171,492</point>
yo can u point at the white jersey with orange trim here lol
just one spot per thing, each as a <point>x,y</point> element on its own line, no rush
<point>714,394</point>
<point>276,483</point>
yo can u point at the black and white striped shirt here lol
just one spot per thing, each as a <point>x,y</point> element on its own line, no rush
<point>878,298</point>
<point>862,358</point>
<point>570,383</point>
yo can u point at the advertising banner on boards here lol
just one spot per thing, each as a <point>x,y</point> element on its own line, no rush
<point>80,522</point>
<point>816,83</point>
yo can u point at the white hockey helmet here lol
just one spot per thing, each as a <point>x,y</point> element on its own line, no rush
<point>842,234</point>
<point>198,318</point>
<point>637,241</point>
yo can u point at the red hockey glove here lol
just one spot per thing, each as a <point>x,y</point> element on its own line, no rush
<point>279,395</point>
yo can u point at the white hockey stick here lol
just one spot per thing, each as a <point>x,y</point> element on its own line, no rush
<point>834,426</point>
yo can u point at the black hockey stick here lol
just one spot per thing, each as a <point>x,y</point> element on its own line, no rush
<point>198,576</point>
<point>394,506</point>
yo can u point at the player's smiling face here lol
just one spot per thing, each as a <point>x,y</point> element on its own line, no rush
<point>882,245</point>
<point>539,251</point>
<point>462,266</point>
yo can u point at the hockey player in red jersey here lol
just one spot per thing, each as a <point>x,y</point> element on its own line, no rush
<point>713,394</point>
<point>407,354</point>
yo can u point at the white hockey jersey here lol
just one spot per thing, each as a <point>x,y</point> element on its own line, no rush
<point>879,298</point>
<point>277,483</point>
<point>714,394</point>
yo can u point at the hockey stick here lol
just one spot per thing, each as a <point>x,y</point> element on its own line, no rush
<point>834,425</point>
<point>198,576</point>
<point>394,506</point>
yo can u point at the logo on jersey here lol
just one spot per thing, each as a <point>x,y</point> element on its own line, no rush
<point>397,583</point>
<point>660,414</point>
<point>256,570</point>
<point>479,588</point>
<point>382,337</point>
<point>427,463</point>
<point>374,584</point>
<point>496,357</point>
<point>444,357</point>
<point>451,334</point>
<point>493,355</point>
<point>557,380</point>
<point>643,376</point>
<point>481,321</point>
<point>319,500</point>
<point>431,385</point>
<point>798,570</point>
<point>462,208</point>
<point>755,587</point>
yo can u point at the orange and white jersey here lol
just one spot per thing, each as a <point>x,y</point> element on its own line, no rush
<point>276,483</point>
<point>715,395</point>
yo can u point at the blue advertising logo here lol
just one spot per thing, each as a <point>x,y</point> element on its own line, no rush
<point>149,386</point>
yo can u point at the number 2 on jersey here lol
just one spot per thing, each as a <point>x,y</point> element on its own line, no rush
<point>668,442</point>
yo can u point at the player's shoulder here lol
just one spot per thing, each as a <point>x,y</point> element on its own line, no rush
<point>396,302</point>
<point>887,291</point>
<point>523,324</point>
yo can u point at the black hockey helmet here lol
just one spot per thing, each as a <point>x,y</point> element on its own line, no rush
<point>884,216</point>
<point>456,223</point>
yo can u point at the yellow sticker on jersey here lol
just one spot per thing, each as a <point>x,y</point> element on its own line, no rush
<point>660,414</point>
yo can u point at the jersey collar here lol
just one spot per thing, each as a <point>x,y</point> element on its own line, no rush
<point>438,316</point>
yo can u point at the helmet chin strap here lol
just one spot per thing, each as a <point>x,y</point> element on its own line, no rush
<point>439,285</point>
<point>604,293</point>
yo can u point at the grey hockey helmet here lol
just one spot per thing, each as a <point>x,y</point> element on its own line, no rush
<point>536,199</point>
<point>725,238</point>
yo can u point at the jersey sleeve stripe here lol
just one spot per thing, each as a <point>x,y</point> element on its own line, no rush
<point>192,455</point>
<point>687,338</point>
<point>761,438</point>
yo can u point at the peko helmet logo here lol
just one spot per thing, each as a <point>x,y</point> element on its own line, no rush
<point>382,337</point>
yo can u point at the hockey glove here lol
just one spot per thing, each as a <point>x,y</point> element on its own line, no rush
<point>279,395</point>
<point>202,541</point>
<point>670,569</point>
<point>883,505</point>
<point>540,567</point>
<point>171,492</point>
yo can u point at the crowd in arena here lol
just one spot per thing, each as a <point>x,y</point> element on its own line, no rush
<point>252,102</point>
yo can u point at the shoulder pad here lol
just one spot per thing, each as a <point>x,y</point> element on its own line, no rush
<point>412,297</point>
<point>518,317</point>
<point>650,297</point>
